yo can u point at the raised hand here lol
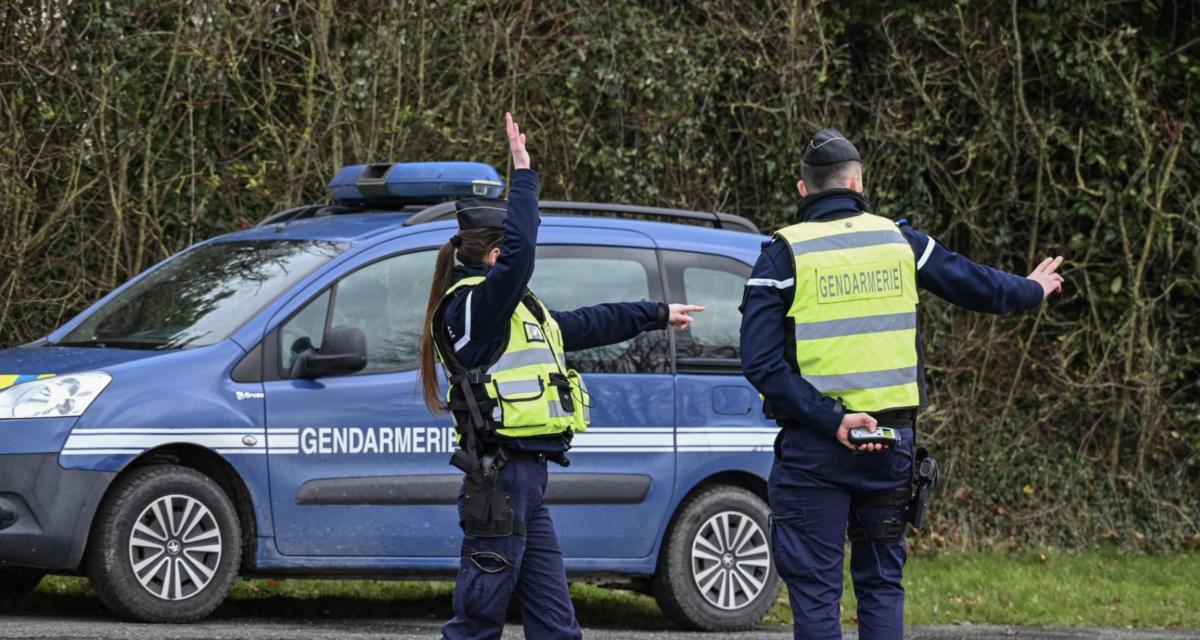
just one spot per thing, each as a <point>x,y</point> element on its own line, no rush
<point>1045,275</point>
<point>680,315</point>
<point>516,143</point>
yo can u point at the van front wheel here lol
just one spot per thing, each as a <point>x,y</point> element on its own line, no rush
<point>165,546</point>
<point>715,572</point>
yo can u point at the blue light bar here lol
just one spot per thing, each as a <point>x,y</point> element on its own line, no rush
<point>414,182</point>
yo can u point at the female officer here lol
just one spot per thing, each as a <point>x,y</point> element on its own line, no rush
<point>514,402</point>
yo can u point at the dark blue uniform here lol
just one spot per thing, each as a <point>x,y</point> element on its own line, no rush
<point>816,482</point>
<point>492,570</point>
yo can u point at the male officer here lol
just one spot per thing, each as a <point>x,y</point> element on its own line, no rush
<point>829,337</point>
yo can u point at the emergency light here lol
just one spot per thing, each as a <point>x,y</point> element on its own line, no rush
<point>414,182</point>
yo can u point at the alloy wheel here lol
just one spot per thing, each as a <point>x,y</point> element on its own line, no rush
<point>730,560</point>
<point>175,547</point>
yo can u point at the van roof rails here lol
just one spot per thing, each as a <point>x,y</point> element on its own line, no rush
<point>287,215</point>
<point>445,210</point>
<point>321,210</point>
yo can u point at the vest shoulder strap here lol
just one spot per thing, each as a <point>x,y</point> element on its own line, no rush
<point>534,306</point>
<point>441,335</point>
<point>465,282</point>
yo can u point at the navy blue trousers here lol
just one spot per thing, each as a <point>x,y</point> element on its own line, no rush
<point>813,482</point>
<point>493,570</point>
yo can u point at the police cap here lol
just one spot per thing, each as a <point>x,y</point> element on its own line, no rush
<point>481,213</point>
<point>829,146</point>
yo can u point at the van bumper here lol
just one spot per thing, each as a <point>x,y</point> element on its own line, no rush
<point>46,511</point>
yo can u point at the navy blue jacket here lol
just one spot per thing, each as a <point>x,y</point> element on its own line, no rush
<point>770,290</point>
<point>478,317</point>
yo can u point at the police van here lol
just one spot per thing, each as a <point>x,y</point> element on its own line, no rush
<point>188,428</point>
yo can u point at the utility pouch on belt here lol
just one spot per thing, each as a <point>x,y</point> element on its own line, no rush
<point>488,510</point>
<point>925,479</point>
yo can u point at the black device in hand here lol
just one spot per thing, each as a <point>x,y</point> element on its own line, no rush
<point>885,436</point>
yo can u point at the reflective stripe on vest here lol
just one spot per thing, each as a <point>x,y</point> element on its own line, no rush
<point>519,359</point>
<point>527,402</point>
<point>855,311</point>
<point>854,326</point>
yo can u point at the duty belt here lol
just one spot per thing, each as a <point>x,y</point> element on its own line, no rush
<point>894,417</point>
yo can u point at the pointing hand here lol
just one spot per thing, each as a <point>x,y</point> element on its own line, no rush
<point>1045,275</point>
<point>680,315</point>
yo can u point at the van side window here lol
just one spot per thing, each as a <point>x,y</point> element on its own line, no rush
<point>569,277</point>
<point>716,282</point>
<point>386,299</point>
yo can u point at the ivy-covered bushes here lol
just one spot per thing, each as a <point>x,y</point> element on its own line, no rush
<point>1007,130</point>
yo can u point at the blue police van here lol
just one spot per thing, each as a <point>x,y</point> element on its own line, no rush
<point>180,433</point>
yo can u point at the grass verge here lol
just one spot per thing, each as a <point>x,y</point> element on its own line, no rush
<point>1091,589</point>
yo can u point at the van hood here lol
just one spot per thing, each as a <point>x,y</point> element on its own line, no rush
<point>30,362</point>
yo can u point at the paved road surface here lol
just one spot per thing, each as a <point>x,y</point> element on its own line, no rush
<point>260,628</point>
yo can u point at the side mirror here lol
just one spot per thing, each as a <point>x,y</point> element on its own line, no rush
<point>343,351</point>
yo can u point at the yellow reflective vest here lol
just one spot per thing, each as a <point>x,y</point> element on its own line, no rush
<point>528,391</point>
<point>855,311</point>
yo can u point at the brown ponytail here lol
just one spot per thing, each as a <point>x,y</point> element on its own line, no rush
<point>472,247</point>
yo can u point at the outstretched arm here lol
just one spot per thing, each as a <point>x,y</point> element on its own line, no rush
<point>978,287</point>
<point>614,322</point>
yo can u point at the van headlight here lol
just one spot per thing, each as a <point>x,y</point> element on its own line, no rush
<point>55,397</point>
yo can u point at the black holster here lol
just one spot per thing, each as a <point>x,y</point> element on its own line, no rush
<point>487,508</point>
<point>925,479</point>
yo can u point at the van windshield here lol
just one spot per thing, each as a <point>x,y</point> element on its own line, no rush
<point>201,296</point>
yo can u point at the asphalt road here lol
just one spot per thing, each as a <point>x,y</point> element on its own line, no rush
<point>264,628</point>
<point>58,616</point>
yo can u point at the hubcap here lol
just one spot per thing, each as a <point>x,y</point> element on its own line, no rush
<point>730,560</point>
<point>175,547</point>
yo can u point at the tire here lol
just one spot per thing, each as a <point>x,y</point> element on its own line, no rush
<point>134,571</point>
<point>740,585</point>
<point>16,584</point>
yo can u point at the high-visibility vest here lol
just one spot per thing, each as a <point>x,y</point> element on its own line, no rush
<point>529,391</point>
<point>855,311</point>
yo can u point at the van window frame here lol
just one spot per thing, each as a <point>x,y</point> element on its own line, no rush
<point>674,262</point>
